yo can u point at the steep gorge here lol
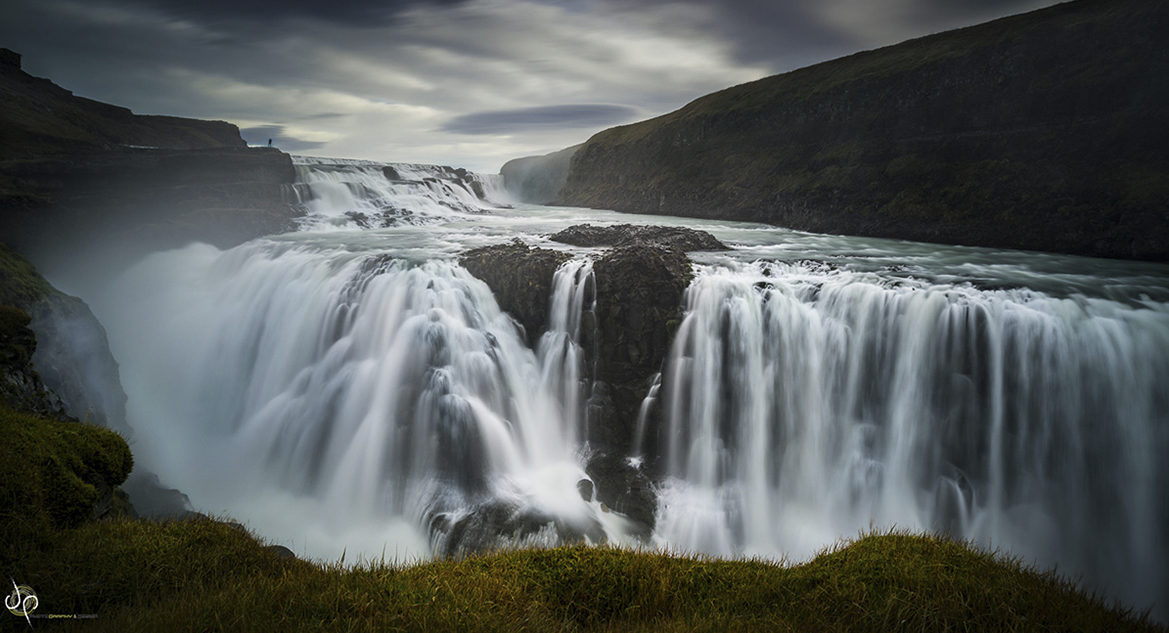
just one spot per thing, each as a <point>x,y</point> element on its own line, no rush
<point>1043,131</point>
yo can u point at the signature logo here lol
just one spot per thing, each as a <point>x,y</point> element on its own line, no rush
<point>22,601</point>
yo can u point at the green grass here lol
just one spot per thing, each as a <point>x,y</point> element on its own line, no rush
<point>51,472</point>
<point>206,575</point>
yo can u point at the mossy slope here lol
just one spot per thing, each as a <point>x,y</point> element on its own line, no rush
<point>203,575</point>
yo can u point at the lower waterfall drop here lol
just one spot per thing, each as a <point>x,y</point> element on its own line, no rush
<point>803,406</point>
<point>364,390</point>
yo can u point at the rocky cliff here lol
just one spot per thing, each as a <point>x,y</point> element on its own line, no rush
<point>75,171</point>
<point>1041,131</point>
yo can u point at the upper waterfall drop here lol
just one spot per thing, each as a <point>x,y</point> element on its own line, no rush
<point>347,194</point>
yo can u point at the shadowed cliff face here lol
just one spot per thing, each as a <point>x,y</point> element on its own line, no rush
<point>70,352</point>
<point>77,172</point>
<point>1040,131</point>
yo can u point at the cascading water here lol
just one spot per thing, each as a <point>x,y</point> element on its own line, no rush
<point>805,404</point>
<point>348,194</point>
<point>350,388</point>
<point>371,389</point>
<point>559,348</point>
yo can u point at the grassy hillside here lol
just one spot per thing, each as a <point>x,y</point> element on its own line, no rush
<point>203,575</point>
<point>1041,131</point>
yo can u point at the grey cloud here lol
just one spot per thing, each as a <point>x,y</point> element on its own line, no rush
<point>526,119</point>
<point>789,34</point>
<point>259,12</point>
<point>260,135</point>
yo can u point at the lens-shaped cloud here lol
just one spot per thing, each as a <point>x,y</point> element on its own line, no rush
<point>525,119</point>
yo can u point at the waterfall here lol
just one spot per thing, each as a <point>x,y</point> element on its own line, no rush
<point>804,405</point>
<point>559,349</point>
<point>365,389</point>
<point>339,194</point>
<point>349,390</point>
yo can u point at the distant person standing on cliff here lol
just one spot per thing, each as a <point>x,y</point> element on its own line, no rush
<point>269,142</point>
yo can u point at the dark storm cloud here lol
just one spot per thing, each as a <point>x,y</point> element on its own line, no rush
<point>262,134</point>
<point>351,12</point>
<point>788,34</point>
<point>525,119</point>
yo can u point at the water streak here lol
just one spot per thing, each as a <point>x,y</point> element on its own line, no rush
<point>804,404</point>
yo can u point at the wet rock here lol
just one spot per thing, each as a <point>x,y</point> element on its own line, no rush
<point>499,524</point>
<point>673,237</point>
<point>521,279</point>
<point>152,499</point>
<point>625,489</point>
<point>639,290</point>
<point>21,388</point>
<point>586,489</point>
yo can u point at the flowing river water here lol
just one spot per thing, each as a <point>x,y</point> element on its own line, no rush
<point>342,388</point>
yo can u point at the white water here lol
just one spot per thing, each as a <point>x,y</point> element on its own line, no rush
<point>354,194</point>
<point>337,389</point>
<point>802,402</point>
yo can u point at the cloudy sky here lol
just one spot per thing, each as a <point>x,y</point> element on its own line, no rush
<point>469,83</point>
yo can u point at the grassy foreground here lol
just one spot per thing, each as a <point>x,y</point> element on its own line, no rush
<point>204,575</point>
<point>208,575</point>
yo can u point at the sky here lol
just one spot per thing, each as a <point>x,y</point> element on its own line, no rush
<point>468,83</point>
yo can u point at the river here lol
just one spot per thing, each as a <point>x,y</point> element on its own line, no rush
<point>343,389</point>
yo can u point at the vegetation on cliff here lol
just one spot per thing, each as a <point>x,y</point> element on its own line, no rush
<point>1041,131</point>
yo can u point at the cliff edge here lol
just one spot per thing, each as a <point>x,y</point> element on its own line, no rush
<point>1042,131</point>
<point>75,172</point>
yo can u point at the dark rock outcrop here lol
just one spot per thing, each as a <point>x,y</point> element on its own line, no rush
<point>1042,131</point>
<point>639,307</point>
<point>640,283</point>
<point>673,237</point>
<point>520,276</point>
<point>72,356</point>
<point>21,388</point>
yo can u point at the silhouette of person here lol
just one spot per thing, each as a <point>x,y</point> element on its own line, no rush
<point>269,142</point>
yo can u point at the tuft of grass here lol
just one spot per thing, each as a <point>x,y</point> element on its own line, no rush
<point>207,575</point>
<point>50,475</point>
